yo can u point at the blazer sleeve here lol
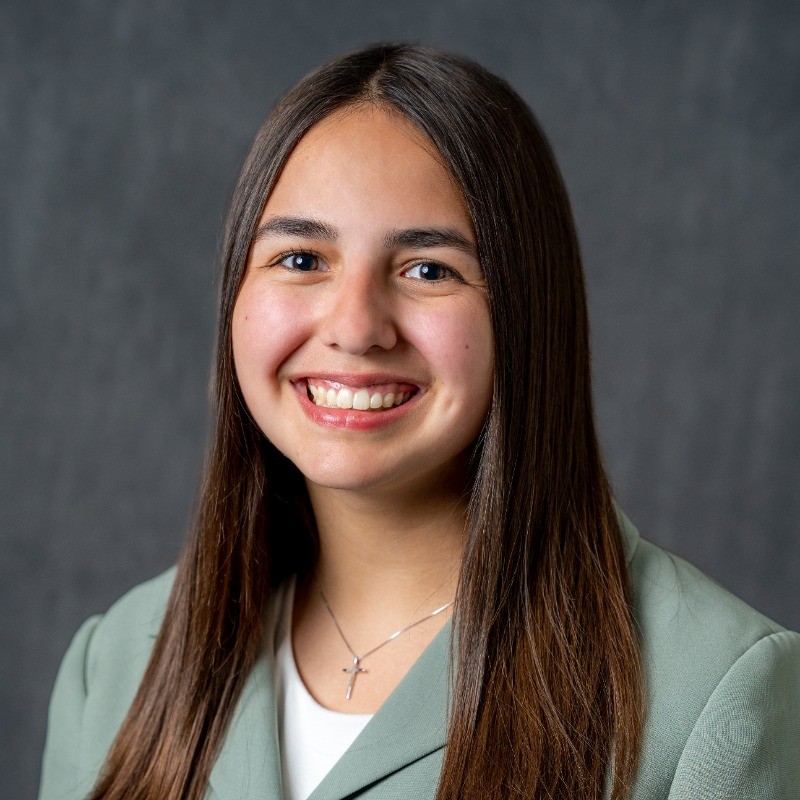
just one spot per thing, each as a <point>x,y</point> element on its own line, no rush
<point>62,777</point>
<point>746,742</point>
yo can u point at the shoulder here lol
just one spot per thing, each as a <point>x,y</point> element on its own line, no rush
<point>681,611</point>
<point>722,684</point>
<point>128,628</point>
<point>95,685</point>
<point>122,639</point>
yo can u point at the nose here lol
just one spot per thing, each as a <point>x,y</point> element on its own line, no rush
<point>357,314</point>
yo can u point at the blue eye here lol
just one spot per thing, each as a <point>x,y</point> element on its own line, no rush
<point>429,271</point>
<point>302,262</point>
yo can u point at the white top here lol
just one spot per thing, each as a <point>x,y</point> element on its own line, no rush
<point>312,738</point>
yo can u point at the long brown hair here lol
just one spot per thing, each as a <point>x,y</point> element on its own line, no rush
<point>546,698</point>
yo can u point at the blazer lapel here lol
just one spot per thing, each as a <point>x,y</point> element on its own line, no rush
<point>409,725</point>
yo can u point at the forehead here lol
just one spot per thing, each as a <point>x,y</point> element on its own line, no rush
<point>372,161</point>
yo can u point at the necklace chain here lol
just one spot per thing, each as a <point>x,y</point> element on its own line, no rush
<point>357,659</point>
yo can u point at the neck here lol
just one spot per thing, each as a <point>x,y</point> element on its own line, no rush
<point>399,557</point>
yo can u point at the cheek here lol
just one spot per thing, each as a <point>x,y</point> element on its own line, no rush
<point>266,328</point>
<point>458,342</point>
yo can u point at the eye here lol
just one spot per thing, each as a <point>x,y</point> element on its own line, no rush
<point>431,272</point>
<point>300,262</point>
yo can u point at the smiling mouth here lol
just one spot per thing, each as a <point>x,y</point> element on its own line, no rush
<point>330,394</point>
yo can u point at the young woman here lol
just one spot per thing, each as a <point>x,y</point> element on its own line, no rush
<point>407,577</point>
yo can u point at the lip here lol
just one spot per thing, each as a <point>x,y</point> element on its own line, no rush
<point>351,418</point>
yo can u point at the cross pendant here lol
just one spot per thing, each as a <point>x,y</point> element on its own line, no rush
<point>354,670</point>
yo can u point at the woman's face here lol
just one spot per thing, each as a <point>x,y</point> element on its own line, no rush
<point>361,333</point>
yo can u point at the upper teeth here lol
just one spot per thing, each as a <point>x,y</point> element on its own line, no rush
<point>360,399</point>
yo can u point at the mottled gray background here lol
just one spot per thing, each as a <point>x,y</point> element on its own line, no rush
<point>123,124</point>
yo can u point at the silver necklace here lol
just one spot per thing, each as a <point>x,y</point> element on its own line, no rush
<point>356,667</point>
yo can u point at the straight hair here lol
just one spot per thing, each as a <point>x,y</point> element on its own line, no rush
<point>546,690</point>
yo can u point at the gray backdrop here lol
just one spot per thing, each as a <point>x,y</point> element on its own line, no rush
<point>123,124</point>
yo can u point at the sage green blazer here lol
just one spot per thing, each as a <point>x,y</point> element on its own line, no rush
<point>722,687</point>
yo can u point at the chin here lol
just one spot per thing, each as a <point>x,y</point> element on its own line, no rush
<point>336,479</point>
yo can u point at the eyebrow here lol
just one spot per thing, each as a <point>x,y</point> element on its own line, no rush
<point>429,237</point>
<point>295,226</point>
<point>406,237</point>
